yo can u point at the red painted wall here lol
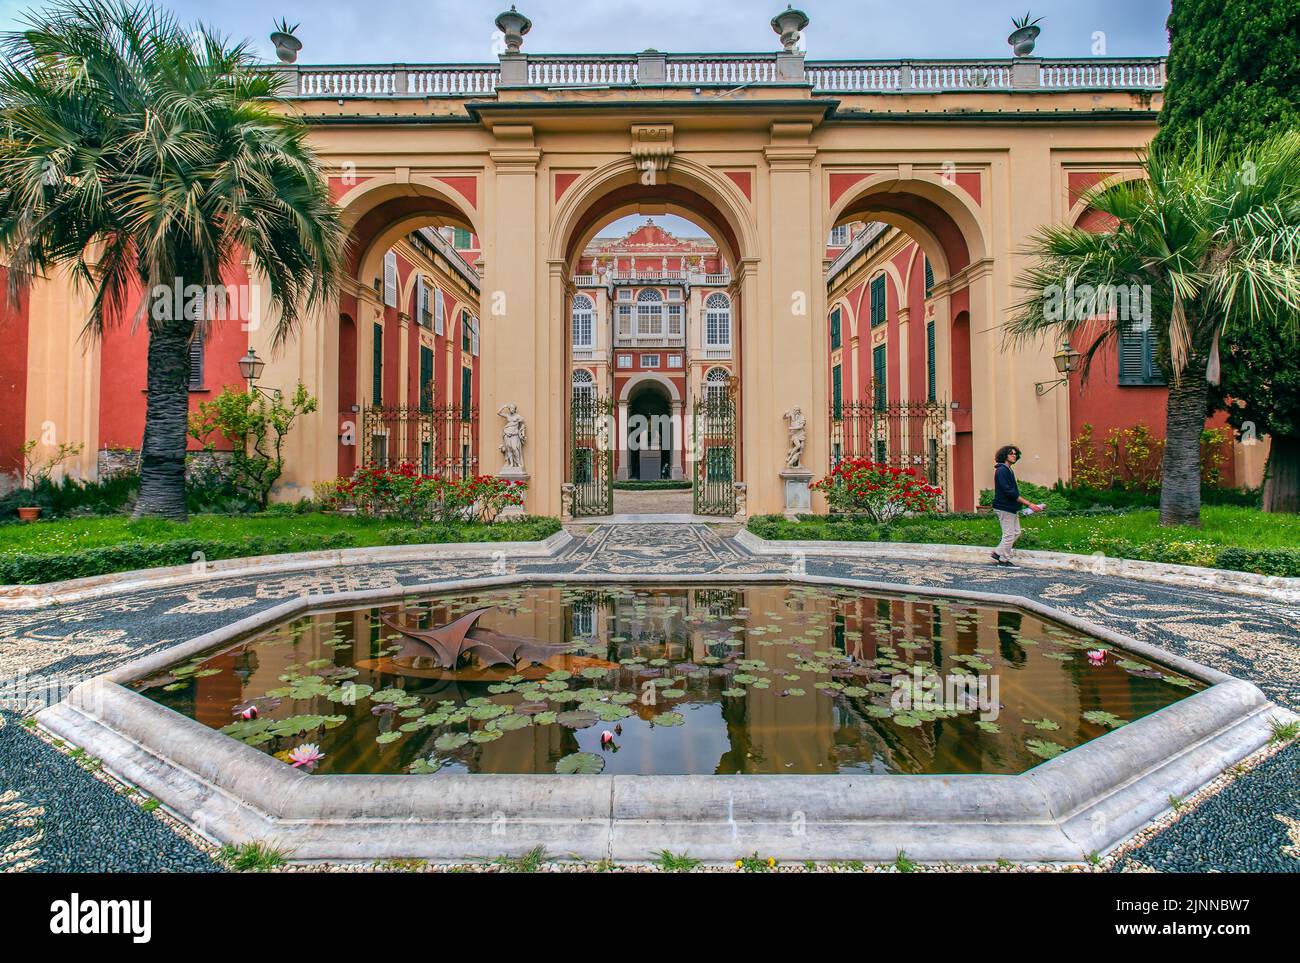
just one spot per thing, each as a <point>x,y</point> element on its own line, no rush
<point>14,320</point>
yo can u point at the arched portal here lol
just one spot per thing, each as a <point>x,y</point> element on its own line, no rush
<point>665,308</point>
<point>408,358</point>
<point>904,301</point>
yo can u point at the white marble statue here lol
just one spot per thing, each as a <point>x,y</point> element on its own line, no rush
<point>797,425</point>
<point>513,437</point>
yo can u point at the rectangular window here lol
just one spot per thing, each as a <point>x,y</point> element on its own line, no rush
<point>929,278</point>
<point>426,458</point>
<point>390,279</point>
<point>835,329</point>
<point>625,320</point>
<point>625,361</point>
<point>426,379</point>
<point>466,392</point>
<point>837,392</point>
<point>839,236</point>
<point>439,312</point>
<point>377,367</point>
<point>879,375</point>
<point>424,316</point>
<point>674,361</point>
<point>464,332</point>
<point>196,360</point>
<point>1137,358</point>
<point>878,301</point>
<point>649,360</point>
<point>461,239</point>
<point>583,329</point>
<point>625,294</point>
<point>675,326</point>
<point>931,379</point>
<point>674,294</point>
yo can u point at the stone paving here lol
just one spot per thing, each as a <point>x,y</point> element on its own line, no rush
<point>54,815</point>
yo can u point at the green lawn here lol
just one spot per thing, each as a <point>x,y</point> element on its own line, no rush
<point>77,547</point>
<point>1229,536</point>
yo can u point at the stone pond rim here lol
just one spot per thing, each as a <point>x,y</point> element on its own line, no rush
<point>1088,799</point>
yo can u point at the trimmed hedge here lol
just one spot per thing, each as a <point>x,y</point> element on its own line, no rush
<point>662,484</point>
<point>34,568</point>
<point>1283,562</point>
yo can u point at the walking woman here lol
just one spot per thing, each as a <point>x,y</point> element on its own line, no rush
<point>1007,502</point>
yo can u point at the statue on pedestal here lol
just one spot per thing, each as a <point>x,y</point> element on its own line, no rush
<point>512,438</point>
<point>797,425</point>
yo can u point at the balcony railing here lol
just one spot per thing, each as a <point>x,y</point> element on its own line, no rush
<point>476,81</point>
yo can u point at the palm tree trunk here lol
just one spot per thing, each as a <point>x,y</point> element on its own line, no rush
<point>162,454</point>
<point>1282,479</point>
<point>1180,476</point>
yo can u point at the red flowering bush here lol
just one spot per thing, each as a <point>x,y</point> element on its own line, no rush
<point>403,492</point>
<point>879,491</point>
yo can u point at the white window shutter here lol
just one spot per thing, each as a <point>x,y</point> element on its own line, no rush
<point>390,279</point>
<point>439,311</point>
<point>473,327</point>
<point>421,300</point>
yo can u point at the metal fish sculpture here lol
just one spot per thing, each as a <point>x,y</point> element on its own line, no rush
<point>448,644</point>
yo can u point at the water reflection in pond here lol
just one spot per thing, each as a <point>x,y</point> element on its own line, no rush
<point>767,678</point>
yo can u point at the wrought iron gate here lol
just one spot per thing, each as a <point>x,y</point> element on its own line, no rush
<point>714,444</point>
<point>439,440</point>
<point>591,455</point>
<point>902,434</point>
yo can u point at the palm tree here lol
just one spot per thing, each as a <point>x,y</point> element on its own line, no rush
<point>139,154</point>
<point>1213,239</point>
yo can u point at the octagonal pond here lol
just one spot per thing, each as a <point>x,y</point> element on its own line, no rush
<point>666,680</point>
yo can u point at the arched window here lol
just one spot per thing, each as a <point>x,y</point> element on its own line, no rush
<point>716,383</point>
<point>649,314</point>
<point>584,385</point>
<point>717,321</point>
<point>584,331</point>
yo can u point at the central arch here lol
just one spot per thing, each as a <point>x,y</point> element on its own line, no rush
<point>714,203</point>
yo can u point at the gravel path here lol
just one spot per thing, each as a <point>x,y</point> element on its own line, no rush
<point>57,816</point>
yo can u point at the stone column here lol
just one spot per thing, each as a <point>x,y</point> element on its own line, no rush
<point>679,435</point>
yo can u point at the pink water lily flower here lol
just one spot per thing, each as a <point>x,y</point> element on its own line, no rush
<point>1096,656</point>
<point>307,754</point>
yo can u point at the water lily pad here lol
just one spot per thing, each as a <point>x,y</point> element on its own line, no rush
<point>577,718</point>
<point>386,737</point>
<point>450,740</point>
<point>581,763</point>
<point>988,726</point>
<point>485,735</point>
<point>1099,718</point>
<point>669,719</point>
<point>1046,750</point>
<point>510,723</point>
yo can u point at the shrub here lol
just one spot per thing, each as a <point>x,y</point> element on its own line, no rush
<point>69,497</point>
<point>405,493</point>
<point>254,427</point>
<point>881,492</point>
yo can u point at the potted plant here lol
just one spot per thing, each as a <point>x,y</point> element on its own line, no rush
<point>286,44</point>
<point>28,508</point>
<point>1023,37</point>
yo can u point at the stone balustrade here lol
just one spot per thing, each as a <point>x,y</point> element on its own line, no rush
<point>652,69</point>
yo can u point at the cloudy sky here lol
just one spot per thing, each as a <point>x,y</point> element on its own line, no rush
<point>432,31</point>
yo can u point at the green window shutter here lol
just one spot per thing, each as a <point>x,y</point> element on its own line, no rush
<point>462,239</point>
<point>1137,361</point>
<point>377,367</point>
<point>837,391</point>
<point>426,379</point>
<point>878,301</point>
<point>929,278</point>
<point>464,331</point>
<point>879,369</point>
<point>835,329</point>
<point>466,391</point>
<point>931,385</point>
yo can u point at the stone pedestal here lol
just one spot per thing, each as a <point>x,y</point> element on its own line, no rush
<point>513,475</point>
<point>798,497</point>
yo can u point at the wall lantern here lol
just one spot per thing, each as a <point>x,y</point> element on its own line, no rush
<point>250,366</point>
<point>1066,360</point>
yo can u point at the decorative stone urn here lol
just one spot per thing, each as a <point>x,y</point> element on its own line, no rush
<point>1022,39</point>
<point>787,25</point>
<point>514,25</point>
<point>286,46</point>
